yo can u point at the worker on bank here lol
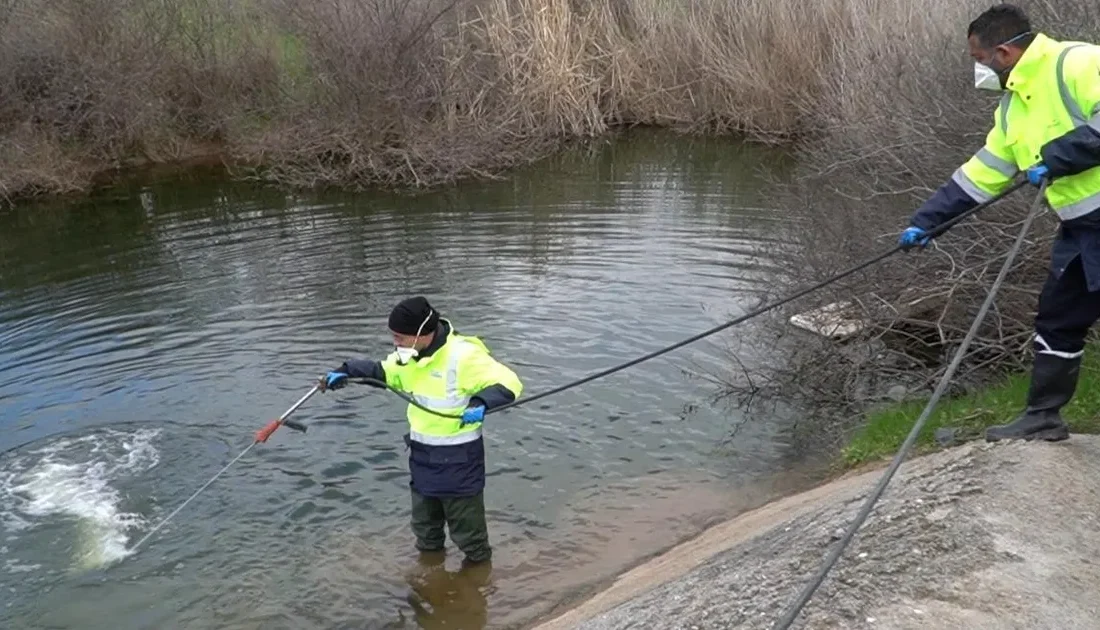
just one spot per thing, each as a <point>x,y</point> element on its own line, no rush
<point>454,375</point>
<point>1048,125</point>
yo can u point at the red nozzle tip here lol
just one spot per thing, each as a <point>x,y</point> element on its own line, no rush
<point>264,433</point>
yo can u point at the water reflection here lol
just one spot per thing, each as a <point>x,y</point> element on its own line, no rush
<point>453,599</point>
<point>203,308</point>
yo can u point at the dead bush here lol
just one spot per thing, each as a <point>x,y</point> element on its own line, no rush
<point>900,116</point>
<point>105,82</point>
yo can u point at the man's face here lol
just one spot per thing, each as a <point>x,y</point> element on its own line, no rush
<point>1000,58</point>
<point>412,341</point>
<point>982,55</point>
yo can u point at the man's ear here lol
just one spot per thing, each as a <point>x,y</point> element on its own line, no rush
<point>1009,54</point>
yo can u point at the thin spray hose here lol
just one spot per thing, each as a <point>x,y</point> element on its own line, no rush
<point>803,597</point>
<point>164,521</point>
<point>707,333</point>
<point>261,436</point>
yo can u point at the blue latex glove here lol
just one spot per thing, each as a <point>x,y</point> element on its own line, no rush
<point>913,236</point>
<point>473,415</point>
<point>336,380</point>
<point>1036,173</point>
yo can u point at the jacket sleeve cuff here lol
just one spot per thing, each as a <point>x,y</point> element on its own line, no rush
<point>363,368</point>
<point>947,203</point>
<point>493,396</point>
<point>1073,152</point>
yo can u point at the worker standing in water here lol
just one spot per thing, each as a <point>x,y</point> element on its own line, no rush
<point>455,375</point>
<point>1047,124</point>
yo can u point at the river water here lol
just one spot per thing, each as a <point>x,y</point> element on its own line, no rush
<point>147,332</point>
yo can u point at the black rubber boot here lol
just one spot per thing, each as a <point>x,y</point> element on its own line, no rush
<point>1053,381</point>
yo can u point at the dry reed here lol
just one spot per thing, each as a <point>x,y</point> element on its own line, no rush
<point>397,92</point>
<point>875,95</point>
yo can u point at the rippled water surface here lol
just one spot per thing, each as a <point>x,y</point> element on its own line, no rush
<point>145,335</point>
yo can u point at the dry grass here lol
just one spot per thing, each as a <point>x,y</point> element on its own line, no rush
<point>396,92</point>
<point>94,84</point>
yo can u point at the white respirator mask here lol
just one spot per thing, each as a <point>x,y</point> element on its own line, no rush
<point>985,78</point>
<point>406,354</point>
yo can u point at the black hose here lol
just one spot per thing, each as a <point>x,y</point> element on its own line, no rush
<point>803,597</point>
<point>733,322</point>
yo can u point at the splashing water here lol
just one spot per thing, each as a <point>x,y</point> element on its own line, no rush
<point>72,478</point>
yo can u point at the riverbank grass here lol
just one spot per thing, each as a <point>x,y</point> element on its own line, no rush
<point>886,428</point>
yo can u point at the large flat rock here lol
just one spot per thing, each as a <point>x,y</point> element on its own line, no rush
<point>983,536</point>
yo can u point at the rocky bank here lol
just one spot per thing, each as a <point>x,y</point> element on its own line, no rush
<point>989,536</point>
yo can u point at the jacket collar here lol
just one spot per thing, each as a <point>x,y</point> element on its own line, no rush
<point>1033,62</point>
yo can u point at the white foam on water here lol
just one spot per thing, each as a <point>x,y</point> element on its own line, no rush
<point>15,567</point>
<point>72,478</point>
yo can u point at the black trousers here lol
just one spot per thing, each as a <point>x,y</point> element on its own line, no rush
<point>463,516</point>
<point>1066,312</point>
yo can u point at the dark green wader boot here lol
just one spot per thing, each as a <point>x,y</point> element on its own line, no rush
<point>1053,381</point>
<point>463,516</point>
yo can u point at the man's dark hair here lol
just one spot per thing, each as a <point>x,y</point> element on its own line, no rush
<point>999,24</point>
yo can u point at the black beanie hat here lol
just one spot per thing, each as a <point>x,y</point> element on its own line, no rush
<point>407,317</point>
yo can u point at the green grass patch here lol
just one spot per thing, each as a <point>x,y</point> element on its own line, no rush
<point>885,429</point>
